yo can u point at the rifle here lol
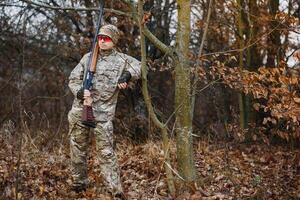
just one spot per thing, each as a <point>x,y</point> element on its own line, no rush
<point>87,117</point>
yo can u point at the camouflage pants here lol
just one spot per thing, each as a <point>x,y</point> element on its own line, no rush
<point>105,155</point>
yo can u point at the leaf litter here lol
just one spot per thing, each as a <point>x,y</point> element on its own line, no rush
<point>226,170</point>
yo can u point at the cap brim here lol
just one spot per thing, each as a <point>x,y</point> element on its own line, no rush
<point>104,34</point>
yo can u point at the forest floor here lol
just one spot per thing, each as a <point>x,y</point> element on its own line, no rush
<point>228,170</point>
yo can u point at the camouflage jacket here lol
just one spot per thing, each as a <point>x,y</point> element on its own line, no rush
<point>104,93</point>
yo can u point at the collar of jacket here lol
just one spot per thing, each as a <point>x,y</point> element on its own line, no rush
<point>106,53</point>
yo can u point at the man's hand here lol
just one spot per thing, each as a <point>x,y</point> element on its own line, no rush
<point>122,85</point>
<point>87,98</point>
<point>124,79</point>
<point>79,94</point>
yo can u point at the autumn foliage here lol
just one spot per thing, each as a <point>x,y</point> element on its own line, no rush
<point>276,92</point>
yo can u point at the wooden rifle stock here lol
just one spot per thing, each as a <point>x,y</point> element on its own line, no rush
<point>94,58</point>
<point>87,117</point>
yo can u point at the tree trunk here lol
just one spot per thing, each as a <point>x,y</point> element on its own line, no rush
<point>274,54</point>
<point>241,96</point>
<point>184,142</point>
<point>252,59</point>
<point>147,98</point>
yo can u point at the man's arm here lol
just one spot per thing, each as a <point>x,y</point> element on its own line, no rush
<point>132,71</point>
<point>76,78</point>
<point>134,67</point>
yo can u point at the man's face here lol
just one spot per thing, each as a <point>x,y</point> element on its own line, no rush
<point>105,42</point>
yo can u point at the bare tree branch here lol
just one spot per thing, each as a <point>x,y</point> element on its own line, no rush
<point>159,44</point>
<point>118,12</point>
<point>194,88</point>
<point>153,116</point>
<point>11,5</point>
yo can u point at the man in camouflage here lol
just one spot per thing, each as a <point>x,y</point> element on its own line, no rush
<point>113,72</point>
